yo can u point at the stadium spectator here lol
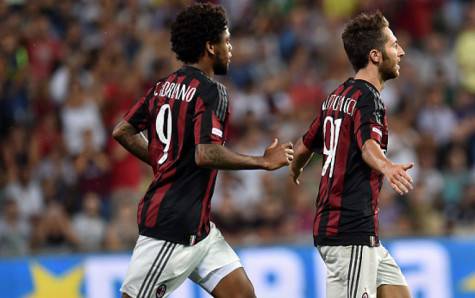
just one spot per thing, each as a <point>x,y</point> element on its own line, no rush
<point>53,232</point>
<point>79,114</point>
<point>26,190</point>
<point>88,224</point>
<point>14,230</point>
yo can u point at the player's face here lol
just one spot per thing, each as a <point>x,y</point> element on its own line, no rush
<point>223,54</point>
<point>392,54</point>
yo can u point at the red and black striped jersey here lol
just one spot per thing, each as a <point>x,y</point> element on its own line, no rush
<point>185,109</point>
<point>347,202</point>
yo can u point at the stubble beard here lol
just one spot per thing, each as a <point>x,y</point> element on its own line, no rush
<point>388,70</point>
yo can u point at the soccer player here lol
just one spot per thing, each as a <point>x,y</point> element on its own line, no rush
<point>186,117</point>
<point>351,132</point>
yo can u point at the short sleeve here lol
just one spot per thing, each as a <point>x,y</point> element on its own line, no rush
<point>138,115</point>
<point>313,138</point>
<point>211,115</point>
<point>369,119</point>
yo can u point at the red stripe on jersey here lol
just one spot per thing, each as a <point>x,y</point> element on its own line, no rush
<point>199,109</point>
<point>342,149</point>
<point>152,210</point>
<point>151,215</point>
<point>375,183</point>
<point>323,190</point>
<point>206,203</point>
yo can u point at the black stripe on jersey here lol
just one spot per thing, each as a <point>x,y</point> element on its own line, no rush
<point>147,279</point>
<point>222,103</point>
<point>167,258</point>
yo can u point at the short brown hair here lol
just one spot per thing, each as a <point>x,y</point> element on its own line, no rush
<point>362,34</point>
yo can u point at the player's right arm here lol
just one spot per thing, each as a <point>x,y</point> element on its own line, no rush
<point>128,136</point>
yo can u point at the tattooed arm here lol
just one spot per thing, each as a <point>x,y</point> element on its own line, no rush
<point>219,157</point>
<point>132,140</point>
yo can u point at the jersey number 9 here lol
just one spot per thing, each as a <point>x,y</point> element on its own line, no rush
<point>164,132</point>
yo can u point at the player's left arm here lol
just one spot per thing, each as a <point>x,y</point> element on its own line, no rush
<point>302,156</point>
<point>131,139</point>
<point>219,157</point>
<point>368,129</point>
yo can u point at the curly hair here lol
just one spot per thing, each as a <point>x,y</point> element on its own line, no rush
<point>193,27</point>
<point>363,34</point>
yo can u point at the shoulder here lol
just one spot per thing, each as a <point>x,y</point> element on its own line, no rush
<point>214,91</point>
<point>369,97</point>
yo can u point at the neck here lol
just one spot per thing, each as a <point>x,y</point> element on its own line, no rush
<point>204,66</point>
<point>372,76</point>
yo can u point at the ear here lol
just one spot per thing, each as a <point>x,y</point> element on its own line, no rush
<point>375,56</point>
<point>210,48</point>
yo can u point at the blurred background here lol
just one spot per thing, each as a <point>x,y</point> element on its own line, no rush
<point>69,70</point>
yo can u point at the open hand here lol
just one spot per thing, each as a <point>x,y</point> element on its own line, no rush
<point>398,178</point>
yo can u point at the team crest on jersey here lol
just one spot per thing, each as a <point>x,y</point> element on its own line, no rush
<point>365,295</point>
<point>162,289</point>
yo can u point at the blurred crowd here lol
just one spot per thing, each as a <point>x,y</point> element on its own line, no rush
<point>70,69</point>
